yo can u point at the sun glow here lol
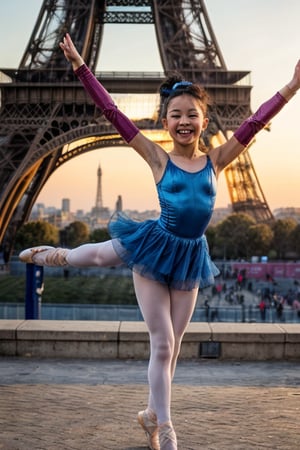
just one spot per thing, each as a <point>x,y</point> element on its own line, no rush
<point>138,106</point>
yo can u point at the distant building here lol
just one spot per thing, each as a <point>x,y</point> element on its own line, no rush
<point>285,213</point>
<point>142,215</point>
<point>79,214</point>
<point>220,214</point>
<point>66,205</point>
<point>98,217</point>
<point>38,212</point>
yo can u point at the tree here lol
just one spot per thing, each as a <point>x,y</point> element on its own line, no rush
<point>75,234</point>
<point>210,234</point>
<point>232,235</point>
<point>99,235</point>
<point>260,239</point>
<point>36,233</point>
<point>282,230</point>
<point>295,240</point>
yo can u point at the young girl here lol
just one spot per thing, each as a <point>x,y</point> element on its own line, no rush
<point>169,256</point>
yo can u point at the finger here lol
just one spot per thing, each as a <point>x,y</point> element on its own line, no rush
<point>68,39</point>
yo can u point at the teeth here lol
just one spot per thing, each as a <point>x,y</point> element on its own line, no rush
<point>184,131</point>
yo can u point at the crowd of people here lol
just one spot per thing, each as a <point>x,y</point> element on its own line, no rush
<point>236,290</point>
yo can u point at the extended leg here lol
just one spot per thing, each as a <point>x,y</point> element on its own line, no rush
<point>101,254</point>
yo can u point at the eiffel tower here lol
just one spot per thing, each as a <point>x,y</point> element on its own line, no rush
<point>47,119</point>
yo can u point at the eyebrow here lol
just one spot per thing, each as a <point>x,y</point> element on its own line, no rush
<point>179,110</point>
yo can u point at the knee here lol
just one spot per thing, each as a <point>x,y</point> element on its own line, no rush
<point>163,349</point>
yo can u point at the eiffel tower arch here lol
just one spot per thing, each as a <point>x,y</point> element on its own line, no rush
<point>47,119</point>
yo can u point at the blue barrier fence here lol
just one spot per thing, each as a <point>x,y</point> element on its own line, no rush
<point>51,311</point>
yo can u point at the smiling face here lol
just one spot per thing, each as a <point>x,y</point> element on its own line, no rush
<point>185,119</point>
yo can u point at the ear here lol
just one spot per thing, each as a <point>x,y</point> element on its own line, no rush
<point>164,122</point>
<point>205,123</point>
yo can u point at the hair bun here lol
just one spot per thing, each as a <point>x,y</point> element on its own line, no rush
<point>166,87</point>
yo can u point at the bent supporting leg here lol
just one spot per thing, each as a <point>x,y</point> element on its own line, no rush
<point>167,314</point>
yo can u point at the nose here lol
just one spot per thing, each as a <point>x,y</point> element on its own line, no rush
<point>184,120</point>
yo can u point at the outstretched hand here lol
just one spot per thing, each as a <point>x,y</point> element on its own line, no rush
<point>294,84</point>
<point>71,52</point>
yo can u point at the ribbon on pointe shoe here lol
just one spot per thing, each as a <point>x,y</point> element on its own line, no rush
<point>148,421</point>
<point>45,256</point>
<point>167,436</point>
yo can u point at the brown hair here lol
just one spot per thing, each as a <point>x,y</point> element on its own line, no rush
<point>175,86</point>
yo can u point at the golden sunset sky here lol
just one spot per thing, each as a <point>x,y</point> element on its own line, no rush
<point>262,36</point>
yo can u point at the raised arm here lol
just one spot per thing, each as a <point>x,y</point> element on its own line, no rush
<point>226,153</point>
<point>151,152</point>
<point>97,92</point>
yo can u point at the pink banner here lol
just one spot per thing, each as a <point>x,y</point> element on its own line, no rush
<point>274,270</point>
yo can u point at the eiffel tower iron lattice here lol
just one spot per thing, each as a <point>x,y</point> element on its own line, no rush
<point>47,119</point>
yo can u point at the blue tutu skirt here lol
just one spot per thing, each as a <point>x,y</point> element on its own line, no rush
<point>148,249</point>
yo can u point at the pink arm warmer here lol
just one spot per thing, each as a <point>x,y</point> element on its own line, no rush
<point>103,100</point>
<point>246,132</point>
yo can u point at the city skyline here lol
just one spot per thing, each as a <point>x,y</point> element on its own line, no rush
<point>252,36</point>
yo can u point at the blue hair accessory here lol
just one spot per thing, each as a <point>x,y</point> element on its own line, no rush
<point>179,84</point>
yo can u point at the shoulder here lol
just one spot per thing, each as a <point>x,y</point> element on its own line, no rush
<point>152,153</point>
<point>224,154</point>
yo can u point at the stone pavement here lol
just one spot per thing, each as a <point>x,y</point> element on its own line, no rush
<point>92,404</point>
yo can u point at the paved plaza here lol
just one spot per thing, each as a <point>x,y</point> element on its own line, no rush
<point>90,404</point>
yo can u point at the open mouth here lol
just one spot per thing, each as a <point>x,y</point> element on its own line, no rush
<point>184,132</point>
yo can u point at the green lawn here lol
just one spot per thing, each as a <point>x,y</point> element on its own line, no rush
<point>114,290</point>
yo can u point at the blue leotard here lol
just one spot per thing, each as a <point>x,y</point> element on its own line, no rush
<point>172,249</point>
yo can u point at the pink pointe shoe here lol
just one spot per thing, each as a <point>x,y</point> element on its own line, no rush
<point>167,436</point>
<point>44,255</point>
<point>148,421</point>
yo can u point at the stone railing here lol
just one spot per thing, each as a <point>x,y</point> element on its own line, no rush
<point>125,340</point>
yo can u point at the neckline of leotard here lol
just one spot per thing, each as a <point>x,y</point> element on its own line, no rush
<point>186,171</point>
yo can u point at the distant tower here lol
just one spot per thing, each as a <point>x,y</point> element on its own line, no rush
<point>99,203</point>
<point>100,214</point>
<point>119,203</point>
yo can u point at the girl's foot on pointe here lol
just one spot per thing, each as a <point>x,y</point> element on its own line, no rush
<point>148,421</point>
<point>167,436</point>
<point>45,255</point>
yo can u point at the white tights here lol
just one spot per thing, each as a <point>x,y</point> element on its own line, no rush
<point>166,312</point>
<point>101,254</point>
